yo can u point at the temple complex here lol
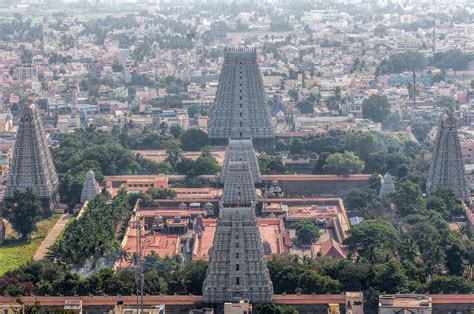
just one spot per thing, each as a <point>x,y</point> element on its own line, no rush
<point>237,267</point>
<point>447,164</point>
<point>32,166</point>
<point>240,108</point>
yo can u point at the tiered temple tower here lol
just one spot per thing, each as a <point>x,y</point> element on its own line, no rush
<point>241,150</point>
<point>90,188</point>
<point>237,267</point>
<point>387,187</point>
<point>447,165</point>
<point>32,165</point>
<point>240,109</point>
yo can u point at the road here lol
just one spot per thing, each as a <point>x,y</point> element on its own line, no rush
<point>51,237</point>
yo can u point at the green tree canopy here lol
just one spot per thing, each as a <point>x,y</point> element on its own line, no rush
<point>408,198</point>
<point>194,140</point>
<point>305,107</point>
<point>307,231</point>
<point>345,164</point>
<point>25,211</point>
<point>376,108</point>
<point>372,237</point>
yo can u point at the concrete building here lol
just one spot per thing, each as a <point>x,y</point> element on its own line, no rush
<point>405,303</point>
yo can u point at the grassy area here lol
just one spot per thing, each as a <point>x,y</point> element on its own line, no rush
<point>15,252</point>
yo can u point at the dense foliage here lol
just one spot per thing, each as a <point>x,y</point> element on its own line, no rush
<point>161,276</point>
<point>307,232</point>
<point>92,236</point>
<point>24,211</point>
<point>99,151</point>
<point>379,154</point>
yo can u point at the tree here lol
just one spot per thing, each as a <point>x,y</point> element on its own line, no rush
<point>117,67</point>
<point>345,164</point>
<point>392,122</point>
<point>204,164</point>
<point>372,237</point>
<point>307,232</point>
<point>293,93</point>
<point>176,131</point>
<point>408,198</point>
<point>376,108</point>
<point>421,130</point>
<point>312,282</point>
<point>449,285</point>
<point>194,275</point>
<point>360,198</point>
<point>25,212</point>
<point>194,140</point>
<point>161,193</point>
<point>174,154</point>
<point>271,165</point>
<point>305,107</point>
<point>390,277</point>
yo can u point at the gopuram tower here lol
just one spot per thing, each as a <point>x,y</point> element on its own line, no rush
<point>240,108</point>
<point>32,166</point>
<point>237,267</point>
<point>241,150</point>
<point>447,165</point>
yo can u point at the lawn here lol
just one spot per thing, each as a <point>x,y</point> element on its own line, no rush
<point>15,252</point>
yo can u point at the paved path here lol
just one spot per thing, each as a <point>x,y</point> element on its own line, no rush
<point>51,237</point>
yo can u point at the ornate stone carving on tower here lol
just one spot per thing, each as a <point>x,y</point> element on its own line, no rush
<point>237,267</point>
<point>240,109</point>
<point>90,189</point>
<point>32,165</point>
<point>387,187</point>
<point>241,150</point>
<point>447,165</point>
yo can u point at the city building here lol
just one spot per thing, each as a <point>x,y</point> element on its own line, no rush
<point>405,303</point>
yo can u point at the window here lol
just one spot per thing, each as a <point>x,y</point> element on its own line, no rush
<point>241,124</point>
<point>241,114</point>
<point>241,134</point>
<point>236,244</point>
<point>236,255</point>
<point>237,281</point>
<point>237,267</point>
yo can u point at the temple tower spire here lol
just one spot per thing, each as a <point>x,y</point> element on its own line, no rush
<point>32,165</point>
<point>447,165</point>
<point>237,267</point>
<point>240,108</point>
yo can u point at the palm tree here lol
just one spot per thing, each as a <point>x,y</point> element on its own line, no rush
<point>123,255</point>
<point>133,259</point>
<point>54,253</point>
